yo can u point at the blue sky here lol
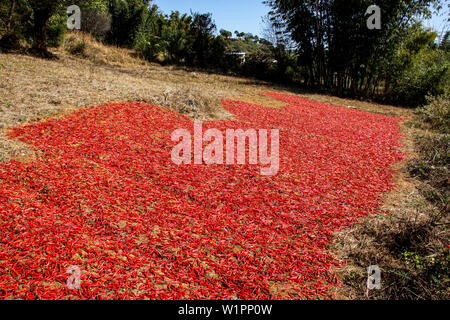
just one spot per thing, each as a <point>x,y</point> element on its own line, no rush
<point>241,15</point>
<point>245,15</point>
<point>440,22</point>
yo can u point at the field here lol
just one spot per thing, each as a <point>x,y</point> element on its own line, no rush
<point>87,180</point>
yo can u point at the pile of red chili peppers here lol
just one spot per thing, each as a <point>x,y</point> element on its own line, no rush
<point>105,196</point>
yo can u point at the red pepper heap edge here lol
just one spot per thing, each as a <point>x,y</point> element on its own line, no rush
<point>104,195</point>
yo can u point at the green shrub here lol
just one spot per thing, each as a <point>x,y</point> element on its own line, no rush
<point>74,46</point>
<point>430,271</point>
<point>56,30</point>
<point>148,45</point>
<point>428,74</point>
<point>148,40</point>
<point>437,113</point>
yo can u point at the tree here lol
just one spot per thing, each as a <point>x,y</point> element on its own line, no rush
<point>239,35</point>
<point>10,16</point>
<point>95,17</point>
<point>445,43</point>
<point>149,39</point>
<point>265,42</point>
<point>202,32</point>
<point>176,36</point>
<point>226,34</point>
<point>336,49</point>
<point>420,67</point>
<point>42,12</point>
<point>127,17</point>
<point>275,33</point>
<point>248,37</point>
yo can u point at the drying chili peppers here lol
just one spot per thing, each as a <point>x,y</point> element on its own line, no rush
<point>104,196</point>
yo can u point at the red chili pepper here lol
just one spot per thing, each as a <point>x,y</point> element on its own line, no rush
<point>105,196</point>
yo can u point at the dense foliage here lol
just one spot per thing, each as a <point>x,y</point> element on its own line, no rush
<point>339,53</point>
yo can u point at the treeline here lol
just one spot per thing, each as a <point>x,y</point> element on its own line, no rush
<point>193,40</point>
<point>323,44</point>
<point>338,52</point>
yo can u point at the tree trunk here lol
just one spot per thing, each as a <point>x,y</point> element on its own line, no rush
<point>10,17</point>
<point>40,31</point>
<point>39,48</point>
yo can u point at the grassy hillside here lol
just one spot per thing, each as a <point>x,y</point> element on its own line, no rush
<point>250,47</point>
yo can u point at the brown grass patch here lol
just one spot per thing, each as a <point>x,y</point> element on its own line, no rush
<point>262,100</point>
<point>408,244</point>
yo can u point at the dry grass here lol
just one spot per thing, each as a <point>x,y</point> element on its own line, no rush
<point>414,228</point>
<point>99,53</point>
